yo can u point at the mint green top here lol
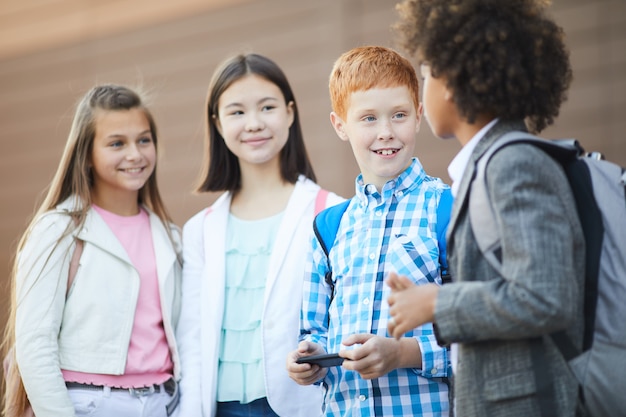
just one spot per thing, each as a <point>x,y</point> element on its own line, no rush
<point>249,245</point>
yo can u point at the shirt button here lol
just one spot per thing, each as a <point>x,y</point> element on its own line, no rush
<point>372,256</point>
<point>366,301</point>
<point>362,397</point>
<point>379,213</point>
<point>399,193</point>
<point>433,371</point>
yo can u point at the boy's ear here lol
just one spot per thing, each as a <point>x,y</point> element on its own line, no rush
<point>338,124</point>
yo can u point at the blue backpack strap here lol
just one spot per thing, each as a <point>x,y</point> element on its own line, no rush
<point>444,211</point>
<point>325,226</point>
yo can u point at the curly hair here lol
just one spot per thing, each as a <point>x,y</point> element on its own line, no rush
<point>503,58</point>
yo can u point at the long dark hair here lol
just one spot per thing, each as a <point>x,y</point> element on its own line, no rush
<point>220,170</point>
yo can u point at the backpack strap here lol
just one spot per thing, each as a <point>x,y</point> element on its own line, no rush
<point>320,200</point>
<point>444,211</point>
<point>325,226</point>
<point>74,263</point>
<point>481,214</point>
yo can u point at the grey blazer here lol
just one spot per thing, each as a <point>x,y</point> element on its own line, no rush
<point>494,318</point>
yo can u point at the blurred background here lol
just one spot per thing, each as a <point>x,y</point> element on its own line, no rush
<point>52,51</point>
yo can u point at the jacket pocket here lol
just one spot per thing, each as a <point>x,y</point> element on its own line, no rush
<point>510,386</point>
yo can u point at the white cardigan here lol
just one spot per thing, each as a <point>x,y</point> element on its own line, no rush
<point>199,330</point>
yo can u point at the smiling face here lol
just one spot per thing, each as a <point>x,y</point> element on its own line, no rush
<point>123,155</point>
<point>254,120</point>
<point>381,125</point>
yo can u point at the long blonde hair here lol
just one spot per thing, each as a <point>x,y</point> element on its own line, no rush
<point>73,178</point>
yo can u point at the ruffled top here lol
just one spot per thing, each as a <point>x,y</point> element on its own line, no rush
<point>248,248</point>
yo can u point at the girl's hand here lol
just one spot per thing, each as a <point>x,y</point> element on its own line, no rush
<point>305,373</point>
<point>410,305</point>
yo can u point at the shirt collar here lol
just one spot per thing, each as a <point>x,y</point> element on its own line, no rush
<point>460,161</point>
<point>409,179</point>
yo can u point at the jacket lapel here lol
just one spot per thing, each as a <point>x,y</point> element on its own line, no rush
<point>462,197</point>
<point>96,232</point>
<point>298,203</point>
<point>214,232</point>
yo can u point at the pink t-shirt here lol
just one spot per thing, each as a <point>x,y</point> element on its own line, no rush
<point>148,361</point>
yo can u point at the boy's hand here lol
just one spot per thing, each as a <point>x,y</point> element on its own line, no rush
<point>410,305</point>
<point>398,282</point>
<point>379,355</point>
<point>305,373</point>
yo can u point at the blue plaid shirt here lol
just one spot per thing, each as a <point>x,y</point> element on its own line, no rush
<point>394,230</point>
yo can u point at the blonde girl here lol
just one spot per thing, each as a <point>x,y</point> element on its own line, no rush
<point>105,345</point>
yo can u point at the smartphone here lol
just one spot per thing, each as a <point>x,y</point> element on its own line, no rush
<point>325,361</point>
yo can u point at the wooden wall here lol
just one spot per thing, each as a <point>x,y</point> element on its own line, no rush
<point>47,66</point>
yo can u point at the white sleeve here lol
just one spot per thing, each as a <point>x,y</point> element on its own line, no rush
<point>188,330</point>
<point>41,284</point>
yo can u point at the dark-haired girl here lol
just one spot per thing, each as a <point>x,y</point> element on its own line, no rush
<point>244,256</point>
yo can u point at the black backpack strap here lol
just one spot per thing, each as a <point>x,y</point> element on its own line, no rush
<point>593,229</point>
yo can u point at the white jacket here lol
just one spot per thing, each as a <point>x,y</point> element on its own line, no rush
<point>90,331</point>
<point>199,332</point>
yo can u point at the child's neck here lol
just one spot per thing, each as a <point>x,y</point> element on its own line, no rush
<point>262,194</point>
<point>465,131</point>
<point>120,205</point>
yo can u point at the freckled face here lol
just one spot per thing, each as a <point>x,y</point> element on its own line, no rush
<point>381,125</point>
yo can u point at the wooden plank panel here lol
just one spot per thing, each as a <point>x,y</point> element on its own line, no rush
<point>28,27</point>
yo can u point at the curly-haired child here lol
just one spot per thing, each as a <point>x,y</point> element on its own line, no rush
<point>491,67</point>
